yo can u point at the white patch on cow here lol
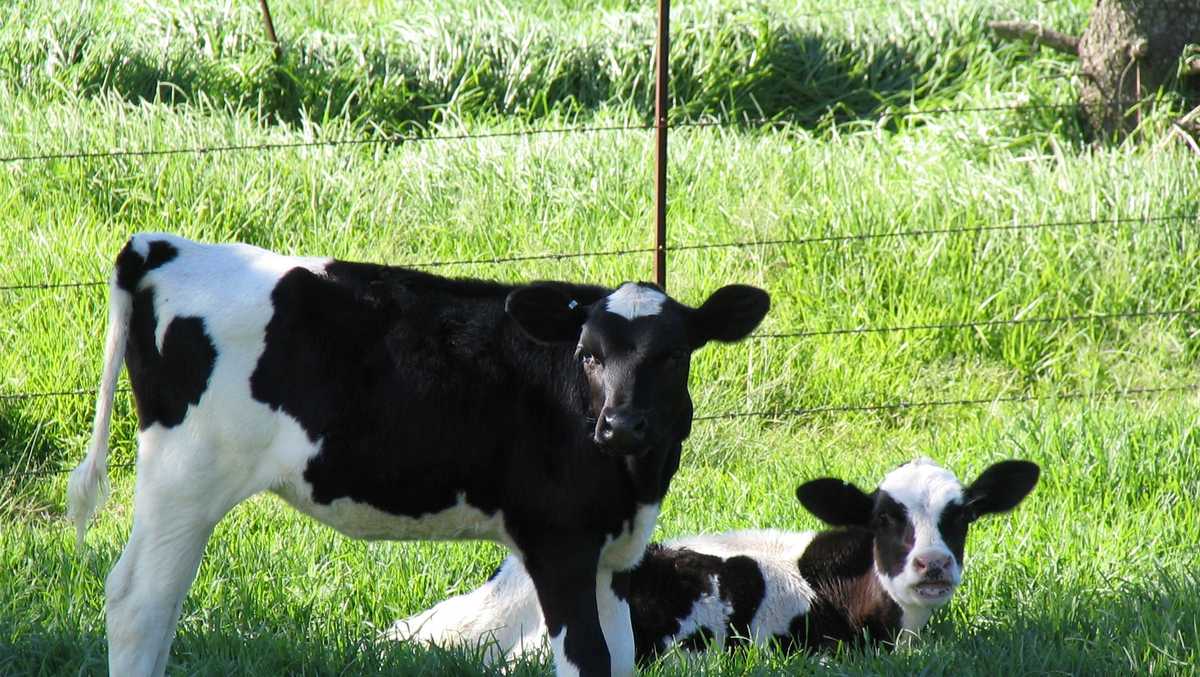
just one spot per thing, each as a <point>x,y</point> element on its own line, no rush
<point>239,302</point>
<point>709,611</point>
<point>563,667</point>
<point>625,550</point>
<point>502,615</point>
<point>633,300</point>
<point>776,552</point>
<point>615,625</point>
<point>247,439</point>
<point>460,521</point>
<point>924,489</point>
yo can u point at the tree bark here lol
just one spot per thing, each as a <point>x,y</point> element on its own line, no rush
<point>1129,50</point>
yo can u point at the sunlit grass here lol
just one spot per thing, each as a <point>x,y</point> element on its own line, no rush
<point>1095,574</point>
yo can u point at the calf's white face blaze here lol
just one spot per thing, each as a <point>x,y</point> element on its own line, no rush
<point>632,300</point>
<point>916,561</point>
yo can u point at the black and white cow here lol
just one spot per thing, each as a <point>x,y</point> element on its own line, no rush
<point>895,558</point>
<point>394,404</point>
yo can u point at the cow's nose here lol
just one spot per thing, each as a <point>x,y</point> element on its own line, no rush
<point>623,430</point>
<point>931,563</point>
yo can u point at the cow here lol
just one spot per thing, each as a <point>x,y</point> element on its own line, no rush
<point>894,557</point>
<point>396,404</point>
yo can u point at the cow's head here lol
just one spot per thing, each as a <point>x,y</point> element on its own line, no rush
<point>634,346</point>
<point>919,516</point>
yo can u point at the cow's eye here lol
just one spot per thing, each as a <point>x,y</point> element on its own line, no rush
<point>887,520</point>
<point>589,360</point>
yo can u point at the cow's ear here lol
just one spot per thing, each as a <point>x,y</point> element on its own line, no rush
<point>546,313</point>
<point>728,315</point>
<point>1001,487</point>
<point>836,502</point>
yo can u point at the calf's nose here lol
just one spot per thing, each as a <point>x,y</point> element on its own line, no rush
<point>931,563</point>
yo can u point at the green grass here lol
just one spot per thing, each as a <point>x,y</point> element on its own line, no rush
<point>1095,574</point>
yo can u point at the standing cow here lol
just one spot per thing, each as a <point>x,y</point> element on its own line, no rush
<point>394,404</point>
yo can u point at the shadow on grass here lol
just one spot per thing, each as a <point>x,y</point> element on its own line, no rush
<point>734,66</point>
<point>35,650</point>
<point>28,452</point>
<point>1146,628</point>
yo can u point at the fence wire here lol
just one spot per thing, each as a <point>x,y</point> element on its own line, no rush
<point>899,405</point>
<point>401,139</point>
<point>775,242</point>
<point>930,404</point>
<point>943,326</point>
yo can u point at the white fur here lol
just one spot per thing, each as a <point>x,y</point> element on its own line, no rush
<point>503,615</point>
<point>563,667</point>
<point>228,448</point>
<point>626,550</point>
<point>87,488</point>
<point>924,489</point>
<point>615,624</point>
<point>632,301</point>
<point>776,553</point>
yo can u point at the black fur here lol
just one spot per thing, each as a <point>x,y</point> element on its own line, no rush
<point>663,587</point>
<point>743,586</point>
<point>165,383</point>
<point>131,267</point>
<point>894,533</point>
<point>837,564</point>
<point>422,389</point>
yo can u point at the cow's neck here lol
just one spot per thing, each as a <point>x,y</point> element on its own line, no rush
<point>845,579</point>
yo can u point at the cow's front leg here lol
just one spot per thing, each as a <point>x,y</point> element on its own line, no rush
<point>568,580</point>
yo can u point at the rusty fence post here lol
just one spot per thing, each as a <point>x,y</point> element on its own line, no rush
<point>661,105</point>
<point>270,26</point>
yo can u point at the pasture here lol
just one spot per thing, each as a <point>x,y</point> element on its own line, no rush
<point>997,210</point>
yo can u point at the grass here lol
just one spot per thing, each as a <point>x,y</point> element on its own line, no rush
<point>1095,574</point>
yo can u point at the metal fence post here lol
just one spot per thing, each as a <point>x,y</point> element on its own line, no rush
<point>270,26</point>
<point>661,105</point>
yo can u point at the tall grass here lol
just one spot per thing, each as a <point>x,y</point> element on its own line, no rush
<point>1094,575</point>
<point>393,68</point>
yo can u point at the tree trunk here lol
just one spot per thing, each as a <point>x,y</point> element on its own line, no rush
<point>1129,50</point>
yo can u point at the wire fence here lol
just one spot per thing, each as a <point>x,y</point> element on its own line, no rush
<point>808,412</point>
<point>401,139</point>
<point>775,242</point>
<point>879,117</point>
<point>944,326</point>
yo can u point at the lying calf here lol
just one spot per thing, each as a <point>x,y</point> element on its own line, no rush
<point>896,557</point>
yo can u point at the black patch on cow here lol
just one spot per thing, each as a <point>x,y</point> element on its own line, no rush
<point>663,589</point>
<point>894,533</point>
<point>165,383</point>
<point>564,574</point>
<point>838,565</point>
<point>131,266</point>
<point>744,587</point>
<point>953,524</point>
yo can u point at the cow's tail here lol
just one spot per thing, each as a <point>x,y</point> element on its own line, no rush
<point>88,487</point>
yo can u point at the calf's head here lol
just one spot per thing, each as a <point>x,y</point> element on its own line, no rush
<point>634,347</point>
<point>919,517</point>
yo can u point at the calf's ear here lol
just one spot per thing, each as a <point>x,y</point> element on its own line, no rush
<point>546,313</point>
<point>728,315</point>
<point>1001,487</point>
<point>835,502</point>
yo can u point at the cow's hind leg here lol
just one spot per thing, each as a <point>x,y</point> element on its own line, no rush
<point>178,500</point>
